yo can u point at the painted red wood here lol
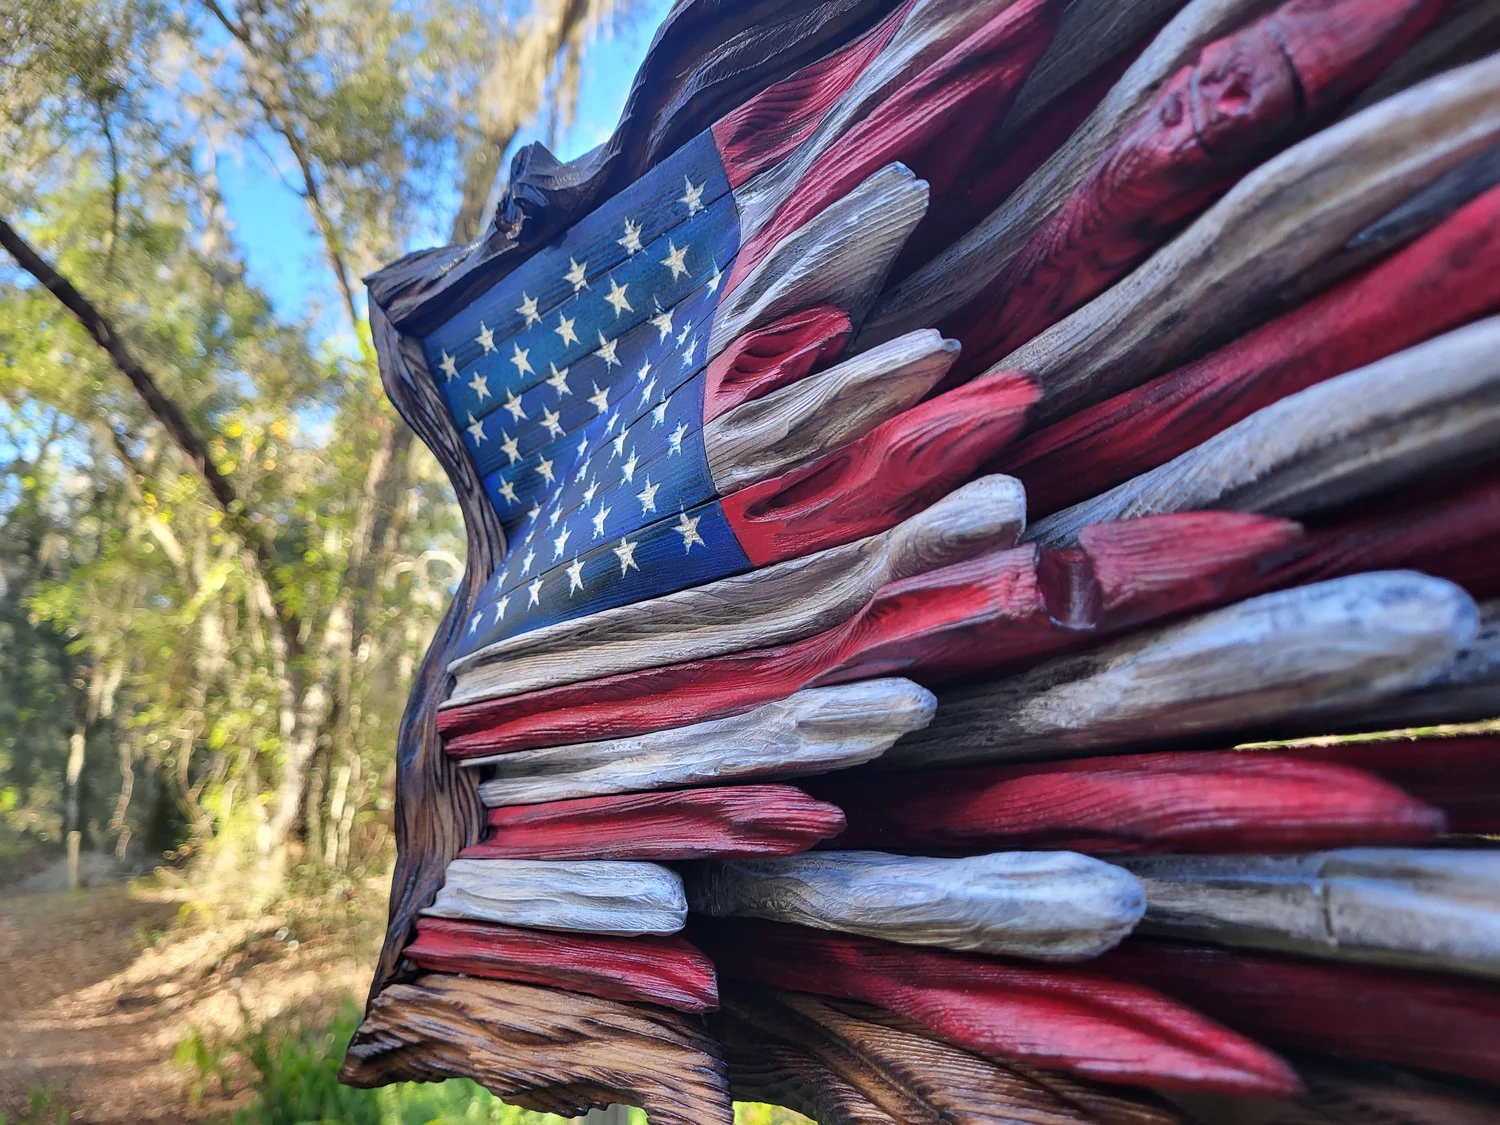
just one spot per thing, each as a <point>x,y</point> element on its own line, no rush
<point>1218,801</point>
<point>737,820</point>
<point>1439,282</point>
<point>1054,1016</point>
<point>989,611</point>
<point>657,970</point>
<point>931,124</point>
<point>1400,1016</point>
<point>1460,775</point>
<point>1245,96</point>
<point>893,472</point>
<point>780,353</point>
<point>764,130</point>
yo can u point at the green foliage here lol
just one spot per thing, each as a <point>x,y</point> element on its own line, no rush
<point>46,1108</point>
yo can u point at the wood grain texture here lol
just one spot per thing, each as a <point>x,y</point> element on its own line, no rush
<point>891,473</point>
<point>839,257</point>
<point>815,415</point>
<point>1050,905</point>
<point>903,1070</point>
<point>1428,1020</point>
<point>768,1069</point>
<point>1244,96</point>
<point>995,609</point>
<point>582,896</point>
<point>768,358</point>
<point>1060,1017</point>
<point>1301,653</point>
<point>953,277</point>
<point>1467,31</point>
<point>1207,284</point>
<point>1460,775</point>
<point>773,605</point>
<point>1179,802</point>
<point>737,820</point>
<point>810,732</point>
<point>543,1049</point>
<point>652,970</point>
<point>1432,407</point>
<point>1434,285</point>
<point>930,123</point>
<point>707,58</point>
<point>1428,909</point>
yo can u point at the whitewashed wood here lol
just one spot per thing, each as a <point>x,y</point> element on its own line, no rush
<point>1432,407</point>
<point>1050,905</point>
<point>772,605</point>
<point>1291,655</point>
<point>930,30</point>
<point>811,731</point>
<point>971,263</point>
<point>1428,908</point>
<point>1281,219</point>
<point>840,256</point>
<point>769,435</point>
<point>583,896</point>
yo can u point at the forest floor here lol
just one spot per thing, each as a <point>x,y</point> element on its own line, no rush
<point>111,994</point>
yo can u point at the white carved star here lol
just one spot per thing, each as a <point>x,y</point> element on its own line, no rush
<point>550,422</point>
<point>640,376</point>
<point>531,514</point>
<point>626,553</point>
<point>513,404</point>
<point>599,398</point>
<point>676,260</point>
<point>474,622</point>
<point>476,429</point>
<point>565,329</point>
<point>508,490</point>
<point>714,279</point>
<point>575,576</point>
<point>606,352</point>
<point>675,438</point>
<point>663,322</point>
<point>627,470</point>
<point>527,308</point>
<point>560,543</point>
<point>553,516</point>
<point>486,338</point>
<point>526,562</point>
<point>599,517</point>
<point>689,352</point>
<point>614,420</point>
<point>619,444</point>
<point>632,240</point>
<point>688,529</point>
<point>449,368</point>
<point>510,447</point>
<point>534,593</point>
<point>687,330</point>
<point>559,381</point>
<point>480,385</point>
<point>544,468</point>
<point>501,606</point>
<point>575,275</point>
<point>647,391</point>
<point>588,493</point>
<point>616,298</point>
<point>693,196</point>
<point>659,413</point>
<point>523,365</point>
<point>647,496</point>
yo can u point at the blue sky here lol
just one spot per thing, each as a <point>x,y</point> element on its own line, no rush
<point>281,248</point>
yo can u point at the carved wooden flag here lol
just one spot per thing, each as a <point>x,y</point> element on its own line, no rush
<point>767,751</point>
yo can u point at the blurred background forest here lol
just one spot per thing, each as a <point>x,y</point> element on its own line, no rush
<point>221,555</point>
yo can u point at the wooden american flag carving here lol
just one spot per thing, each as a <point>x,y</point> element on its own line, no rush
<point>900,467</point>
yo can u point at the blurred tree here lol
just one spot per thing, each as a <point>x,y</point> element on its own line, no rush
<point>249,553</point>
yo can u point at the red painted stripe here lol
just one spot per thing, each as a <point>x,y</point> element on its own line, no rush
<point>764,130</point>
<point>1218,801</point>
<point>1442,280</point>
<point>964,619</point>
<point>1401,1016</point>
<point>657,970</point>
<point>893,472</point>
<point>737,820</point>
<point>780,353</point>
<point>1247,94</point>
<point>931,124</point>
<point>1055,1016</point>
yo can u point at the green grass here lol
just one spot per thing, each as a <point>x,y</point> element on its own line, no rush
<point>46,1108</point>
<point>293,1077</point>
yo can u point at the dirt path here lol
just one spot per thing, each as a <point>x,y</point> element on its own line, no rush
<point>99,988</point>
